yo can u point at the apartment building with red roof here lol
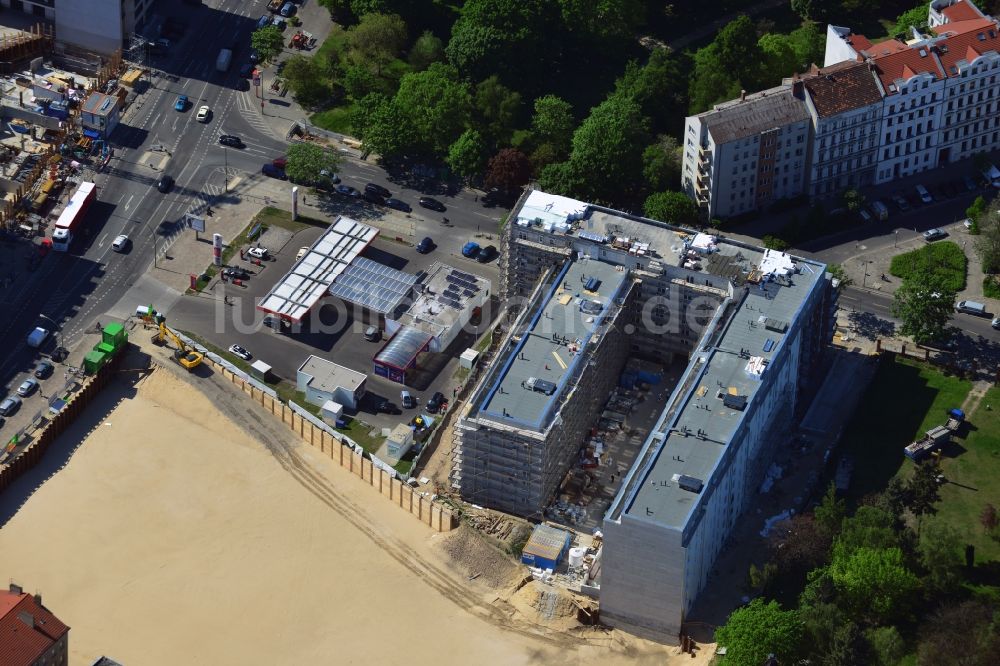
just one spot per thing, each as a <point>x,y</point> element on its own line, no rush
<point>878,111</point>
<point>30,635</point>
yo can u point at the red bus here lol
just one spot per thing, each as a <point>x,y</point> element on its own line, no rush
<point>71,219</point>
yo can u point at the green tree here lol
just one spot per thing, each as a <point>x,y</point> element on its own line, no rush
<point>307,161</point>
<point>809,43</point>
<point>976,209</point>
<point>358,81</point>
<point>427,49</point>
<point>661,164</point>
<point>739,52</point>
<point>869,526</point>
<point>820,622</point>
<point>779,58</point>
<point>498,109</point>
<point>268,41</point>
<point>925,307</point>
<point>987,242</point>
<point>553,124</point>
<point>873,583</point>
<point>830,512</point>
<point>971,624</point>
<point>376,40</point>
<point>839,274</point>
<point>307,80</point>
<point>853,200</point>
<point>607,151</point>
<point>924,491</point>
<point>913,18</point>
<point>673,207</point>
<point>710,81</point>
<point>888,646</point>
<point>805,8</point>
<point>658,87</point>
<point>775,243</point>
<point>437,107</point>
<point>758,629</point>
<point>940,552</point>
<point>467,155</point>
<point>509,170</point>
<point>849,647</point>
<point>798,545</point>
<point>603,19</point>
<point>384,129</point>
<point>563,178</point>
<point>509,38</point>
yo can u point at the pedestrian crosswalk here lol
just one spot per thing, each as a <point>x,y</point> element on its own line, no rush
<point>248,106</point>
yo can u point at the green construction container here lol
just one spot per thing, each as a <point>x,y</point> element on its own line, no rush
<point>94,361</point>
<point>114,338</point>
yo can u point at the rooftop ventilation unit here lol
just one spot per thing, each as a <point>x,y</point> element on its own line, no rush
<point>592,284</point>
<point>540,385</point>
<point>591,307</point>
<point>690,483</point>
<point>737,402</point>
<point>775,325</point>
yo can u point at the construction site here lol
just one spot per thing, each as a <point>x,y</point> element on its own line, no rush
<point>631,339</point>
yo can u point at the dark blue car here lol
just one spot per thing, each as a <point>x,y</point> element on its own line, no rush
<point>273,172</point>
<point>425,245</point>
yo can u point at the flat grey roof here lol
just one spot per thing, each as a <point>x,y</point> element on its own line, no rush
<point>554,343</point>
<point>702,415</point>
<point>328,376</point>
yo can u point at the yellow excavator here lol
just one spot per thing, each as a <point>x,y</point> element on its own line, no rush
<point>187,357</point>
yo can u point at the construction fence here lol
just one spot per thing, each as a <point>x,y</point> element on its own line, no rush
<point>347,454</point>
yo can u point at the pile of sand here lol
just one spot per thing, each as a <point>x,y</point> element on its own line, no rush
<point>171,536</point>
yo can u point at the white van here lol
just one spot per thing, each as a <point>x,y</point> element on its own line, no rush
<point>992,175</point>
<point>924,195</point>
<point>971,307</point>
<point>880,209</point>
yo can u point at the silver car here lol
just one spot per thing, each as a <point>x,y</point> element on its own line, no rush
<point>27,387</point>
<point>10,405</point>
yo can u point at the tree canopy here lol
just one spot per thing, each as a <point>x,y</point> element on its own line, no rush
<point>376,40</point>
<point>268,41</point>
<point>673,207</point>
<point>925,308</point>
<point>758,629</point>
<point>873,582</point>
<point>307,161</point>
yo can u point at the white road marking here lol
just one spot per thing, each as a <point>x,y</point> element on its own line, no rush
<point>100,243</point>
<point>128,203</point>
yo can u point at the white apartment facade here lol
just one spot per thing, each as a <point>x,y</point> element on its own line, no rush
<point>747,153</point>
<point>938,102</point>
<point>102,26</point>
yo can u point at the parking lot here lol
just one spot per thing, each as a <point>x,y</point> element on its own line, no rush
<point>333,330</point>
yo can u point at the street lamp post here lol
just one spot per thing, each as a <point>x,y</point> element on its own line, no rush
<point>55,327</point>
<point>154,250</point>
<point>225,174</point>
<point>895,238</point>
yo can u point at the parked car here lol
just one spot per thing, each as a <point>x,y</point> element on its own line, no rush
<point>967,223</point>
<point>407,400</point>
<point>397,204</point>
<point>435,403</point>
<point>236,273</point>
<point>59,354</point>
<point>924,194</point>
<point>901,201</point>
<point>263,21</point>
<point>864,215</point>
<point>425,245</point>
<point>995,323</point>
<point>273,172</point>
<point>373,334</point>
<point>347,191</point>
<point>301,253</point>
<point>27,387</point>
<point>492,198</point>
<point>972,308</point>
<point>433,204</point>
<point>182,103</point>
<point>288,9</point>
<point>487,254</point>
<point>387,407</point>
<point>232,141</point>
<point>934,234</point>
<point>276,323</point>
<point>279,23</point>
<point>470,250</point>
<point>378,189</point>
<point>374,198</point>
<point>165,183</point>
<point>259,253</point>
<point>120,243</point>
<point>240,351</point>
<point>44,369</point>
<point>203,113</point>
<point>10,405</point>
<point>280,162</point>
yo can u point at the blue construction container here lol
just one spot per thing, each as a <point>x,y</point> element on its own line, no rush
<point>546,547</point>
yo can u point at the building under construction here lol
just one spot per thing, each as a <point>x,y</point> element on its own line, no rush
<point>591,287</point>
